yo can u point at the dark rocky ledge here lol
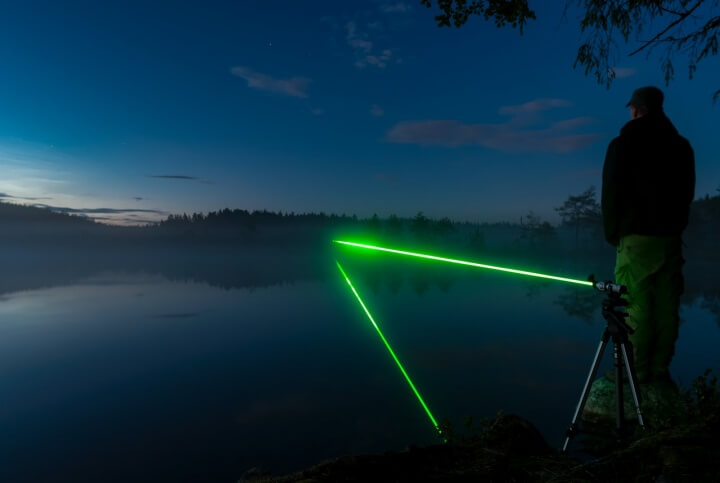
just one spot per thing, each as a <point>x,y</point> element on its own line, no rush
<point>686,447</point>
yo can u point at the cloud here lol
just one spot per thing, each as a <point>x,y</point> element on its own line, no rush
<point>294,86</point>
<point>27,198</point>
<point>318,111</point>
<point>138,198</point>
<point>623,72</point>
<point>174,176</point>
<point>381,61</point>
<point>502,137</point>
<point>534,107</point>
<point>99,211</point>
<point>125,220</point>
<point>357,41</point>
<point>180,177</point>
<point>377,111</point>
<point>364,49</point>
<point>115,216</point>
<point>398,7</point>
<point>574,123</point>
<point>511,136</point>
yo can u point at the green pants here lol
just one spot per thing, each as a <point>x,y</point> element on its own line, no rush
<point>651,268</point>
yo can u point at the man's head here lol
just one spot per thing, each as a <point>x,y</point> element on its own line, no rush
<point>645,100</point>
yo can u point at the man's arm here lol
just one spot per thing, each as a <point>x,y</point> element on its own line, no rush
<point>610,192</point>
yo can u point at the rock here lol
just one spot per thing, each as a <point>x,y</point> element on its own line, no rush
<point>658,400</point>
<point>515,436</point>
<point>600,406</point>
<point>254,474</point>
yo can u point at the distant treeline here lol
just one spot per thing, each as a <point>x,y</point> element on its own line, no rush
<point>580,229</point>
<point>238,248</point>
<point>252,219</point>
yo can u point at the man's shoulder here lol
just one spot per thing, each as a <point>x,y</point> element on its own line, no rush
<point>611,154</point>
<point>614,143</point>
<point>630,128</point>
<point>683,141</point>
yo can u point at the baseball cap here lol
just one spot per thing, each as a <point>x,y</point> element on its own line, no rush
<point>650,97</point>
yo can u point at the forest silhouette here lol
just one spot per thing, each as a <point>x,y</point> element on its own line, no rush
<point>236,248</point>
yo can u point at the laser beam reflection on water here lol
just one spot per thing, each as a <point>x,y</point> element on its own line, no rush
<point>463,262</point>
<point>387,345</point>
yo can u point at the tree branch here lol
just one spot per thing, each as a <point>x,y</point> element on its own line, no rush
<point>666,29</point>
<point>671,11</point>
<point>713,23</point>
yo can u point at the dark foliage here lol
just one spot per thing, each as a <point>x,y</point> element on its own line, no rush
<point>581,211</point>
<point>685,26</point>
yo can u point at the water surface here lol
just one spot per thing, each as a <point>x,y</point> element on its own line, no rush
<point>122,375</point>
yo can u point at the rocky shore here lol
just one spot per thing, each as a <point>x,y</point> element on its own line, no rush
<point>679,447</point>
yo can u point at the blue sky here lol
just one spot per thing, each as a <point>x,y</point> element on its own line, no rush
<point>128,112</point>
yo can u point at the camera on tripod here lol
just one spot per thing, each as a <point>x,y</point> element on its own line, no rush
<point>616,330</point>
<point>609,287</point>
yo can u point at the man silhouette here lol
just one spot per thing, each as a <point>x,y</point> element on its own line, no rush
<point>648,185</point>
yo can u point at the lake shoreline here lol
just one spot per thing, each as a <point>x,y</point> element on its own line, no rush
<point>512,449</point>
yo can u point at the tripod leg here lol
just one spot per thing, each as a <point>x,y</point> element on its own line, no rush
<point>572,430</point>
<point>631,380</point>
<point>619,395</point>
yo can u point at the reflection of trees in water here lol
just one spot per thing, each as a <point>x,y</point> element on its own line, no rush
<point>422,277</point>
<point>712,304</point>
<point>392,276</point>
<point>419,285</point>
<point>223,268</point>
<point>533,291</point>
<point>395,281</point>
<point>228,267</point>
<point>702,282</point>
<point>579,302</point>
<point>421,280</point>
<point>445,283</point>
<point>373,279</point>
<point>375,276</point>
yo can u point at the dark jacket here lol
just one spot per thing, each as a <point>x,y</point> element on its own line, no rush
<point>648,180</point>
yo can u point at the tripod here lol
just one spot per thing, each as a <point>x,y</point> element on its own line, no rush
<point>617,330</point>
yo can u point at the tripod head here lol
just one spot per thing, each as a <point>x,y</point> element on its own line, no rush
<point>618,330</point>
<point>608,286</point>
<point>612,304</point>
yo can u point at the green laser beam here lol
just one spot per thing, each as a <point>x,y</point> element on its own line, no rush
<point>387,345</point>
<point>463,262</point>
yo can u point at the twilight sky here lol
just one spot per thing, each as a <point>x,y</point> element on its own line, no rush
<point>128,112</point>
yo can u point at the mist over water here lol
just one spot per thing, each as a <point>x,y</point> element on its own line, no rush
<point>194,366</point>
<point>174,177</point>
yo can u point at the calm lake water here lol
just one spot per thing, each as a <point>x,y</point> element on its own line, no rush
<point>135,375</point>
